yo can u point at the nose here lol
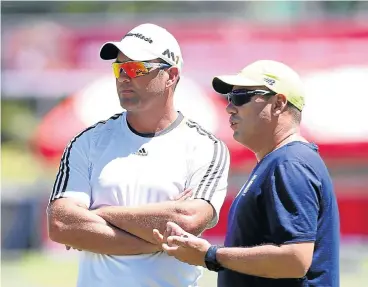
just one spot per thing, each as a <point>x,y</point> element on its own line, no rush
<point>230,108</point>
<point>123,78</point>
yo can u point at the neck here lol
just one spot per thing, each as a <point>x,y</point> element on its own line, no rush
<point>151,122</point>
<point>277,140</point>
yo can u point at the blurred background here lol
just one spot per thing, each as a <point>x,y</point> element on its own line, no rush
<point>53,85</point>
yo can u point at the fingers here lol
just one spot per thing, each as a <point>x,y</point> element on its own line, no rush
<point>167,232</point>
<point>168,229</point>
<point>170,250</point>
<point>184,195</point>
<point>158,236</point>
<point>177,230</point>
<point>183,241</point>
<point>67,247</point>
<point>187,194</point>
<point>174,229</point>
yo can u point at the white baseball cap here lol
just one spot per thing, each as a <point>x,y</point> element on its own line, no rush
<point>276,76</point>
<point>146,42</point>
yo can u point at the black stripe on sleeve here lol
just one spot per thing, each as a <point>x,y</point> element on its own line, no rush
<point>215,168</point>
<point>62,177</point>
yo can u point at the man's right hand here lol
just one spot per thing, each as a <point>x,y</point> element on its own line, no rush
<point>183,195</point>
<point>172,229</point>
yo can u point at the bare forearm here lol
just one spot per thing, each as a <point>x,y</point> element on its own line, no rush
<point>104,239</point>
<point>80,228</point>
<point>141,220</point>
<point>268,261</point>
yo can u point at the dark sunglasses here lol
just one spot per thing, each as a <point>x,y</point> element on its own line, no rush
<point>243,96</point>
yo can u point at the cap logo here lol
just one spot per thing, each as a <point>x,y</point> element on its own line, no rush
<point>139,36</point>
<point>171,55</point>
<point>269,81</point>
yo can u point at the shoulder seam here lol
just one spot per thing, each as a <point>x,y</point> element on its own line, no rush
<point>200,130</point>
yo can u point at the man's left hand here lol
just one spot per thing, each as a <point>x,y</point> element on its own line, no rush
<point>182,245</point>
<point>67,247</point>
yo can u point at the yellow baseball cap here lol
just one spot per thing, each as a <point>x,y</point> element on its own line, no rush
<point>274,75</point>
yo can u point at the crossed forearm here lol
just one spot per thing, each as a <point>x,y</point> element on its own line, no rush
<point>82,229</point>
<point>141,220</point>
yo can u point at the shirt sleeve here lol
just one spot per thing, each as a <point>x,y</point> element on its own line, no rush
<point>291,203</point>
<point>72,179</point>
<point>209,177</point>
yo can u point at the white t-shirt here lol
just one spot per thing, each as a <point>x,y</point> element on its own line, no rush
<point>110,164</point>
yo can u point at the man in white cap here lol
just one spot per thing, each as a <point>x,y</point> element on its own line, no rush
<point>283,226</point>
<point>123,177</point>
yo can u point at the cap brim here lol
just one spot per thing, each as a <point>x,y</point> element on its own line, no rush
<point>225,84</point>
<point>110,50</point>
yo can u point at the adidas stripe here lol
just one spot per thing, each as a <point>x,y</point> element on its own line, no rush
<point>210,180</point>
<point>62,177</point>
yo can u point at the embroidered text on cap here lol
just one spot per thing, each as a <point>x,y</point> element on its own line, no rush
<point>140,36</point>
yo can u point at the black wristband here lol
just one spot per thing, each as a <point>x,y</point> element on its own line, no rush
<point>210,259</point>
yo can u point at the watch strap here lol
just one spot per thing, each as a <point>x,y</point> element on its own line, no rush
<point>210,259</point>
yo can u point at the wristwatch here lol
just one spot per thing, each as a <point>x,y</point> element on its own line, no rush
<point>210,259</point>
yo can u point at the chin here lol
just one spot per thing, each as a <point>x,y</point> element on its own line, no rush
<point>129,106</point>
<point>237,137</point>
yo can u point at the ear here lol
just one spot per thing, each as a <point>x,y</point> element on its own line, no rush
<point>279,104</point>
<point>173,73</point>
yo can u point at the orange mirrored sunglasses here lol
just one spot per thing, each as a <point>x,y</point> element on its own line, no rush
<point>134,69</point>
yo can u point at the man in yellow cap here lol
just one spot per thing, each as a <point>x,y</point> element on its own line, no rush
<point>283,226</point>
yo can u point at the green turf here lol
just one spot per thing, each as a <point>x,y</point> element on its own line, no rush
<point>38,270</point>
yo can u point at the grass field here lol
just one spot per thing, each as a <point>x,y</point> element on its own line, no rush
<point>38,270</point>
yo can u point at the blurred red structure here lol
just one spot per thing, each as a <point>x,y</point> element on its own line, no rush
<point>353,214</point>
<point>330,54</point>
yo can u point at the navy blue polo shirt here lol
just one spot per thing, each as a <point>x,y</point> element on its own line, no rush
<point>288,198</point>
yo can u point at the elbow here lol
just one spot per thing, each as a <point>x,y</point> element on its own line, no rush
<point>55,225</point>
<point>302,260</point>
<point>297,268</point>
<point>301,270</point>
<point>193,221</point>
<point>289,267</point>
<point>55,230</point>
<point>192,225</point>
<point>297,272</point>
<point>296,260</point>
